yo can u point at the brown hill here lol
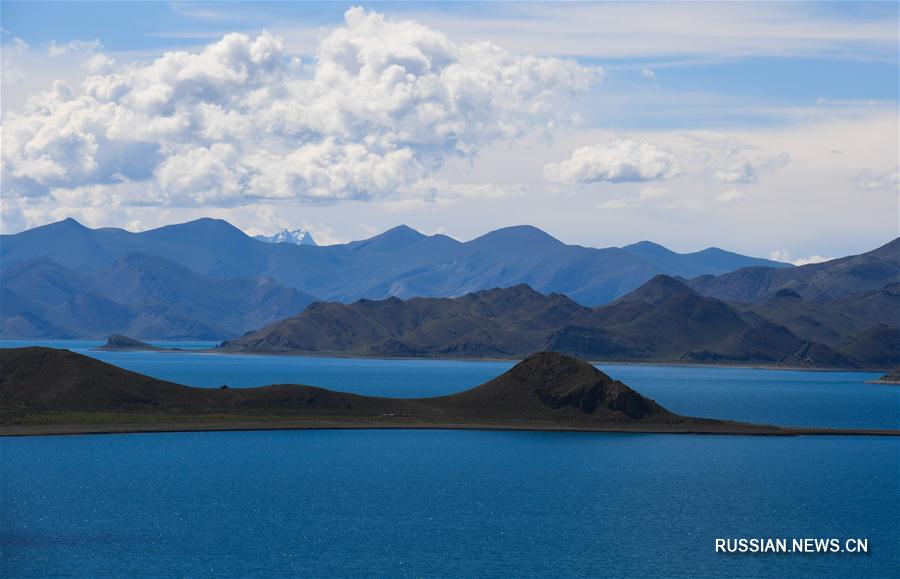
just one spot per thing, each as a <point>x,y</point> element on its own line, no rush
<point>552,384</point>
<point>675,322</point>
<point>663,320</point>
<point>498,322</point>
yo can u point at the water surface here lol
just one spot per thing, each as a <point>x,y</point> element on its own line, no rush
<point>442,503</point>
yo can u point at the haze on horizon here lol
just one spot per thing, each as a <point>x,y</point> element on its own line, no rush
<point>772,131</point>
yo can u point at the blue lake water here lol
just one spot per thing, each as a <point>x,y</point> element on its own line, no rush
<point>442,503</point>
<point>459,503</point>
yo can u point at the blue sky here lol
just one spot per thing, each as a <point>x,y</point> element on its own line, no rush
<point>732,102</point>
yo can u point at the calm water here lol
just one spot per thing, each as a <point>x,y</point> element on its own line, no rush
<point>464,503</point>
<point>827,399</point>
<point>459,503</point>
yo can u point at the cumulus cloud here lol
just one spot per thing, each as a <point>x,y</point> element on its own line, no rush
<point>648,74</point>
<point>384,105</point>
<point>784,255</point>
<point>618,161</point>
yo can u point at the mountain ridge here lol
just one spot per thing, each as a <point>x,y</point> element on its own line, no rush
<point>139,295</point>
<point>818,282</point>
<point>662,321</point>
<point>400,261</point>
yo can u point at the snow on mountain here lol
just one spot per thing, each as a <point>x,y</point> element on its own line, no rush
<point>297,237</point>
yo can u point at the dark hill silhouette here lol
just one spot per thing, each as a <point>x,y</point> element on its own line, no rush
<point>47,390</point>
<point>400,262</point>
<point>548,382</point>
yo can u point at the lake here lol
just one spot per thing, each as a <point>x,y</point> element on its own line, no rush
<point>460,503</point>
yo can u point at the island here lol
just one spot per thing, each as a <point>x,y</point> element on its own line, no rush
<point>52,391</point>
<point>120,343</point>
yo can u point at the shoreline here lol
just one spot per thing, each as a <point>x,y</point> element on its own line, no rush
<point>351,356</point>
<point>737,429</point>
<point>346,356</point>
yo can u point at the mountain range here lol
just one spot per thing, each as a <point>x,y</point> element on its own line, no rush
<point>208,280</point>
<point>664,320</point>
<point>399,262</point>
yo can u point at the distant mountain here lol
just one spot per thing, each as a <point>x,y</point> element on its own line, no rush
<point>663,320</point>
<point>138,295</point>
<point>710,261</point>
<point>819,282</point>
<point>297,237</point>
<point>818,322</point>
<point>677,323</point>
<point>399,262</point>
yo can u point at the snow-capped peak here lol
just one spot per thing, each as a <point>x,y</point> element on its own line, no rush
<point>297,237</point>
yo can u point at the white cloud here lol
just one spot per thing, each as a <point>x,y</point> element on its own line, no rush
<point>383,106</point>
<point>10,71</point>
<point>784,255</point>
<point>688,202</point>
<point>730,196</point>
<point>728,160</point>
<point>875,181</point>
<point>648,193</point>
<point>648,74</point>
<point>618,161</point>
<point>55,50</point>
<point>618,204</point>
<point>616,30</point>
<point>646,196</point>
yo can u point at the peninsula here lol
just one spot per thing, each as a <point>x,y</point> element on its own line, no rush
<point>892,377</point>
<point>51,391</point>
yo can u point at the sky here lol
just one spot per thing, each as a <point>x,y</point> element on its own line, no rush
<point>768,128</point>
